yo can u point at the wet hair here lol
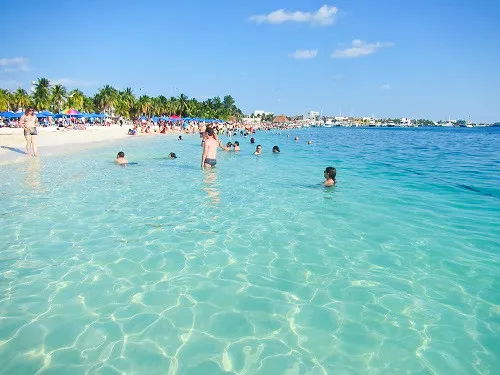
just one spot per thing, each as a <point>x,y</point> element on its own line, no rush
<point>210,131</point>
<point>258,147</point>
<point>252,140</point>
<point>331,173</point>
<point>276,148</point>
<point>236,143</point>
<point>121,154</point>
<point>229,144</point>
<point>172,155</point>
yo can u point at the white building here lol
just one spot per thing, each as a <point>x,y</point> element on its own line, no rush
<point>405,121</point>
<point>259,113</point>
<point>313,115</point>
<point>341,118</point>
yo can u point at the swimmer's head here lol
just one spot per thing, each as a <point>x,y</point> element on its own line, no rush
<point>296,138</point>
<point>172,155</point>
<point>252,140</point>
<point>259,147</point>
<point>236,143</point>
<point>121,154</point>
<point>330,173</point>
<point>309,142</point>
<point>276,149</point>
<point>210,131</point>
<point>229,144</point>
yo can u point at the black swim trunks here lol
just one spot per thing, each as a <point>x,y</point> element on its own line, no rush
<point>30,131</point>
<point>210,162</point>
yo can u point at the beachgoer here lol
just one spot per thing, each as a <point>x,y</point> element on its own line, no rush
<point>120,158</point>
<point>29,122</point>
<point>180,137</point>
<point>227,147</point>
<point>330,174</point>
<point>296,138</point>
<point>236,146</point>
<point>309,142</point>
<point>258,150</point>
<point>209,156</point>
<point>252,140</point>
<point>276,150</point>
<point>172,155</point>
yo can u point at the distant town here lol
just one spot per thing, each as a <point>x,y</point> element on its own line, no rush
<point>314,118</point>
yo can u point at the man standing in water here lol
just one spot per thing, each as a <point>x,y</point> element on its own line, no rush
<point>209,156</point>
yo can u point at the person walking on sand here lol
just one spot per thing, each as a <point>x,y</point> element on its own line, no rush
<point>29,122</point>
<point>209,156</point>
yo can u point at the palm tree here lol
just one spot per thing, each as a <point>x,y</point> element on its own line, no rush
<point>76,99</point>
<point>106,99</point>
<point>58,97</point>
<point>144,105</point>
<point>21,99</point>
<point>88,104</point>
<point>5,100</point>
<point>183,105</point>
<point>41,95</point>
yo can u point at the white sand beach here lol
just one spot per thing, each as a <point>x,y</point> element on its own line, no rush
<point>50,140</point>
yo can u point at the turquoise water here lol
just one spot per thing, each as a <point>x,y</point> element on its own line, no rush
<point>255,268</point>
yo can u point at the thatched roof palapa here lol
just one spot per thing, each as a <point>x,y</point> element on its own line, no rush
<point>280,119</point>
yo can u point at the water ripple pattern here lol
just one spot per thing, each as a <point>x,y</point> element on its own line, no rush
<point>254,267</point>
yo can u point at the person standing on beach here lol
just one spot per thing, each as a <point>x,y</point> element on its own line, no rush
<point>209,156</point>
<point>29,122</point>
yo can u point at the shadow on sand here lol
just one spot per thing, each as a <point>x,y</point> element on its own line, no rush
<point>19,151</point>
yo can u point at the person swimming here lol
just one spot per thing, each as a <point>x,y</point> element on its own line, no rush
<point>252,140</point>
<point>120,158</point>
<point>172,155</point>
<point>180,138</point>
<point>330,175</point>
<point>258,150</point>
<point>276,150</point>
<point>236,146</point>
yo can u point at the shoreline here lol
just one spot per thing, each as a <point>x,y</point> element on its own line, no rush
<point>52,142</point>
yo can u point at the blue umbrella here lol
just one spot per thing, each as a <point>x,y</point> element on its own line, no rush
<point>7,114</point>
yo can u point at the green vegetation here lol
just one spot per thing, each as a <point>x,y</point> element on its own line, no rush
<point>114,102</point>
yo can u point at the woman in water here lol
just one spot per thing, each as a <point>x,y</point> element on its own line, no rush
<point>236,146</point>
<point>29,122</point>
<point>330,174</point>
<point>258,150</point>
<point>276,150</point>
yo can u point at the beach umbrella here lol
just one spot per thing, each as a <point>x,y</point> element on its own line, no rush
<point>70,112</point>
<point>7,114</point>
<point>45,113</point>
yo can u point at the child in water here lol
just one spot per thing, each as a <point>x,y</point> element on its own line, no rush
<point>330,174</point>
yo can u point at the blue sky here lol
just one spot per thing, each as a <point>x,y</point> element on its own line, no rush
<point>397,58</point>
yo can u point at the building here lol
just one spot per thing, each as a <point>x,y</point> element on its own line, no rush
<point>313,115</point>
<point>260,113</point>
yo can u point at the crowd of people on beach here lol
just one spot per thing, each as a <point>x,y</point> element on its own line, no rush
<point>209,135</point>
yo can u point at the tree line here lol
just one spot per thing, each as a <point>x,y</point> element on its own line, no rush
<point>111,101</point>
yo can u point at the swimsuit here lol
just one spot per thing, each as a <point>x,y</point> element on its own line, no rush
<point>30,131</point>
<point>210,162</point>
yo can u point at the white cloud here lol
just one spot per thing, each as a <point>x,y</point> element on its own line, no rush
<point>302,54</point>
<point>385,87</point>
<point>360,48</point>
<point>71,82</point>
<point>14,64</point>
<point>324,16</point>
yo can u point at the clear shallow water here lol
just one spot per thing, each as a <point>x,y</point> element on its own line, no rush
<point>254,268</point>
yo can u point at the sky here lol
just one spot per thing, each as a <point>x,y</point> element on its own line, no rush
<point>387,58</point>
